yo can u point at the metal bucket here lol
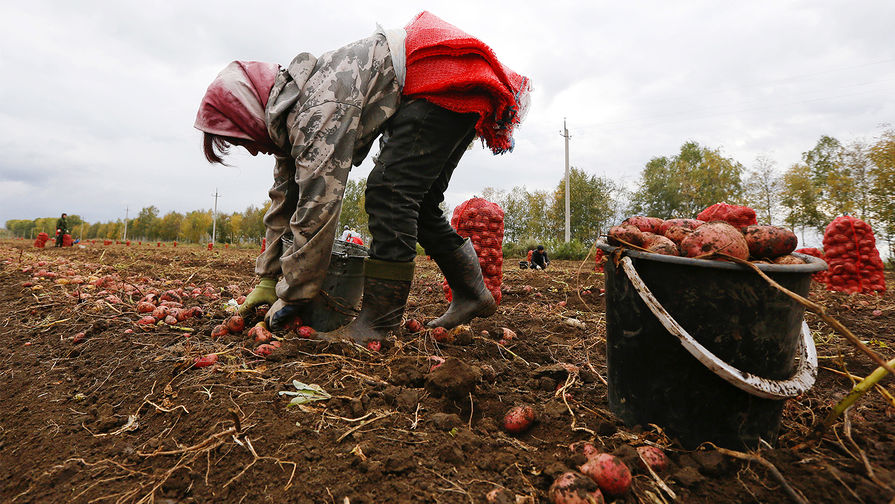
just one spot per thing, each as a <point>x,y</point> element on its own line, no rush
<point>706,350</point>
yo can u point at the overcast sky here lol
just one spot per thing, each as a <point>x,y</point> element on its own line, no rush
<point>98,99</point>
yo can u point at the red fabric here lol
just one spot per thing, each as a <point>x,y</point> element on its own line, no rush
<point>234,103</point>
<point>454,70</point>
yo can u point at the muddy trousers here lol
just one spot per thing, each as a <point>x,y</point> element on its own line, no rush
<point>421,147</point>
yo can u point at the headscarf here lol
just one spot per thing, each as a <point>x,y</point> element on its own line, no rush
<point>234,103</point>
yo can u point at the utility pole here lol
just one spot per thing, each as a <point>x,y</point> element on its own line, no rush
<point>565,134</point>
<point>214,215</point>
<point>126,210</point>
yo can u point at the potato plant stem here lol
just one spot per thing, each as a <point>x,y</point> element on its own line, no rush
<point>856,392</point>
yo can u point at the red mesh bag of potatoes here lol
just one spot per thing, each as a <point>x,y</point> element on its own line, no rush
<point>482,222</point>
<point>599,258</point>
<point>850,250</point>
<point>735,215</point>
<point>820,276</point>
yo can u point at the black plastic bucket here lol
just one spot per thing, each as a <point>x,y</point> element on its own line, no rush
<point>342,289</point>
<point>730,311</point>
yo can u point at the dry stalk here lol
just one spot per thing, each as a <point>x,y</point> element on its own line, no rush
<point>869,468</point>
<point>793,494</point>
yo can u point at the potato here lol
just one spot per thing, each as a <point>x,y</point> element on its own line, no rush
<point>690,224</point>
<point>259,334</point>
<point>574,488</point>
<point>625,233</point>
<point>374,346</point>
<point>235,324</point>
<point>770,241</point>
<point>264,350</point>
<point>659,244</point>
<point>413,325</point>
<point>584,448</point>
<point>160,312</point>
<point>788,259</point>
<point>519,419</point>
<point>145,307</point>
<point>442,335</point>
<point>306,332</point>
<point>653,457</point>
<point>716,236</point>
<point>205,361</point>
<point>645,224</point>
<point>735,215</point>
<point>147,320</point>
<point>219,330</point>
<point>611,474</point>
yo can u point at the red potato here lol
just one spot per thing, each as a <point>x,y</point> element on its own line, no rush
<point>306,332</point>
<point>171,320</point>
<point>235,324</point>
<point>219,330</point>
<point>690,224</point>
<point>413,325</point>
<point>508,334</point>
<point>205,361</point>
<point>77,338</point>
<point>519,419</point>
<point>659,244</point>
<point>584,448</point>
<point>147,320</point>
<point>170,295</point>
<point>160,312</point>
<point>611,474</point>
<point>574,488</point>
<point>715,236</point>
<point>259,334</point>
<point>374,346</point>
<point>625,233</point>
<point>677,233</point>
<point>645,224</point>
<point>442,335</point>
<point>145,307</point>
<point>264,350</point>
<point>770,241</point>
<point>653,457</point>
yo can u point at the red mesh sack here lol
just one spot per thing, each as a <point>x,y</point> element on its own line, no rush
<point>67,241</point>
<point>482,222</point>
<point>820,276</point>
<point>850,250</point>
<point>41,240</point>
<point>735,215</point>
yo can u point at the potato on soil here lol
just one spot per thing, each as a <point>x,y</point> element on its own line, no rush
<point>654,457</point>
<point>717,236</point>
<point>625,233</point>
<point>307,332</point>
<point>659,244</point>
<point>519,419</point>
<point>235,324</point>
<point>147,320</point>
<point>584,448</point>
<point>259,334</point>
<point>205,360</point>
<point>413,325</point>
<point>645,224</point>
<point>611,474</point>
<point>219,330</point>
<point>442,335</point>
<point>145,307</point>
<point>264,350</point>
<point>770,241</point>
<point>574,488</point>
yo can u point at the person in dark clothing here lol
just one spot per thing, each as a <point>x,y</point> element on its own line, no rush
<point>61,229</point>
<point>539,259</point>
<point>427,90</point>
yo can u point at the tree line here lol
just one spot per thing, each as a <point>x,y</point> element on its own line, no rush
<point>832,178</point>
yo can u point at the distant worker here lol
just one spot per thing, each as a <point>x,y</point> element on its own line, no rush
<point>539,259</point>
<point>61,229</point>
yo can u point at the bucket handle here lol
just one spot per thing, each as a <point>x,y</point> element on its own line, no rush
<point>801,381</point>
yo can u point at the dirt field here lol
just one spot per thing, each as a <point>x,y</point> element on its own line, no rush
<point>119,414</point>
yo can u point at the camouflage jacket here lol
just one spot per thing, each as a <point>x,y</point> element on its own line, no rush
<point>62,225</point>
<point>325,112</point>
